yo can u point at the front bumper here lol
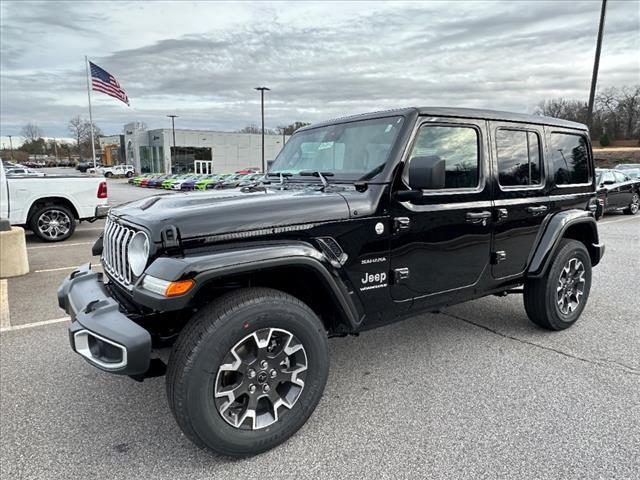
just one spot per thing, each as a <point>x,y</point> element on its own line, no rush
<point>99,331</point>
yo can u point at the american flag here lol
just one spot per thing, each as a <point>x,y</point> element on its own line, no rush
<point>103,81</point>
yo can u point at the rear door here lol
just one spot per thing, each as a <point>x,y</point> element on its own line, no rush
<point>521,198</point>
<point>441,241</point>
<point>624,190</point>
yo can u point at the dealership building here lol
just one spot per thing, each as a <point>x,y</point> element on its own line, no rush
<point>196,151</point>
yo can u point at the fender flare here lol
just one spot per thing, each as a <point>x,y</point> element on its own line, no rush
<point>554,231</point>
<point>204,268</point>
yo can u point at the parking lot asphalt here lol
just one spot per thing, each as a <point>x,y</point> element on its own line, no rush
<point>474,392</point>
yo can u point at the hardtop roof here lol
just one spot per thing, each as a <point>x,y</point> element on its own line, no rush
<point>459,113</point>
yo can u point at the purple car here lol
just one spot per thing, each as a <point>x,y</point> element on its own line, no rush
<point>190,184</point>
<point>157,182</point>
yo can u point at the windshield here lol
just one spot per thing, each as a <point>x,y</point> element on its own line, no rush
<point>351,151</point>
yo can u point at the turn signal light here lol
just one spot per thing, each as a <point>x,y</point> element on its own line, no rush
<point>178,288</point>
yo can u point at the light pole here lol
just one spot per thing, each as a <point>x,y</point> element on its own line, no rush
<point>596,63</point>
<point>262,90</point>
<point>173,130</point>
<point>11,147</point>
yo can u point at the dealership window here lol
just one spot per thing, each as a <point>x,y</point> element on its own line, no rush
<point>518,157</point>
<point>457,146</point>
<point>183,158</point>
<point>569,159</point>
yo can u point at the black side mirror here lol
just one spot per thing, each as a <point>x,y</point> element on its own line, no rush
<point>608,182</point>
<point>426,173</point>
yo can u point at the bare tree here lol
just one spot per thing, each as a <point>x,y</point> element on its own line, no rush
<point>31,132</point>
<point>616,112</point>
<point>77,129</point>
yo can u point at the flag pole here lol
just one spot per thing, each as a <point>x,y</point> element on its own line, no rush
<point>93,143</point>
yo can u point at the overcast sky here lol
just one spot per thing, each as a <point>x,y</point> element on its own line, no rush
<point>201,60</point>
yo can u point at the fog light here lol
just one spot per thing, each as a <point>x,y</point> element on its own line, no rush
<point>166,288</point>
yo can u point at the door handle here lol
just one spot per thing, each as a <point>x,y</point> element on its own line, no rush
<point>478,217</point>
<point>537,210</point>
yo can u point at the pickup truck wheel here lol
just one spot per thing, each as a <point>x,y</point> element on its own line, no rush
<point>108,175</point>
<point>556,301</point>
<point>634,206</point>
<point>247,371</point>
<point>52,223</point>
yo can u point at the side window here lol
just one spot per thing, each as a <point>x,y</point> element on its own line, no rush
<point>619,177</point>
<point>518,157</point>
<point>569,159</point>
<point>457,146</point>
<point>608,177</point>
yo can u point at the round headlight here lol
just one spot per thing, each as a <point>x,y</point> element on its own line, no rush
<point>138,253</point>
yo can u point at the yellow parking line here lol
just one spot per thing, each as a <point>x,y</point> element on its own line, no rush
<point>5,319</point>
<point>34,324</point>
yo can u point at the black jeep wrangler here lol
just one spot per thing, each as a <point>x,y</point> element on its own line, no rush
<point>360,222</point>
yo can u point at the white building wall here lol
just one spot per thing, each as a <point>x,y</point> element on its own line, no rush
<point>230,151</point>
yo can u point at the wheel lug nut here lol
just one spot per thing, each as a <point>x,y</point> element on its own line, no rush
<point>266,388</point>
<point>252,388</point>
<point>273,373</point>
<point>251,373</point>
<point>264,364</point>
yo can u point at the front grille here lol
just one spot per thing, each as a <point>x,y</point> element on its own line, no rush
<point>115,249</point>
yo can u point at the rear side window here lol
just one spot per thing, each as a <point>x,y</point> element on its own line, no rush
<point>569,159</point>
<point>518,158</point>
<point>457,146</point>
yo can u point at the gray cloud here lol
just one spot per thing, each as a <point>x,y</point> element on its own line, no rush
<point>507,55</point>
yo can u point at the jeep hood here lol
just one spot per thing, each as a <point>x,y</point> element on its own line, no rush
<point>225,211</point>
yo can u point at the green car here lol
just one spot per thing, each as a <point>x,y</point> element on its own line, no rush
<point>173,178</point>
<point>209,180</point>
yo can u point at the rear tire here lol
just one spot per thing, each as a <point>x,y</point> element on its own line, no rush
<point>209,348</point>
<point>634,206</point>
<point>556,300</point>
<point>52,223</point>
<point>108,175</point>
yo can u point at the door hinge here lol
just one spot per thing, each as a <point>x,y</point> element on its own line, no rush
<point>400,275</point>
<point>498,257</point>
<point>401,224</point>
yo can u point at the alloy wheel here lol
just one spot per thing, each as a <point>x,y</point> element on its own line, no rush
<point>54,224</point>
<point>634,204</point>
<point>261,379</point>
<point>571,284</point>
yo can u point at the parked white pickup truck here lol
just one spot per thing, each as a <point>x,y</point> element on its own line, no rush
<point>51,205</point>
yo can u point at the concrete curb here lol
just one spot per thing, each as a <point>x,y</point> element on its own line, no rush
<point>13,253</point>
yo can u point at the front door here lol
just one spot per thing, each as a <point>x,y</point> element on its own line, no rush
<point>520,193</point>
<point>441,241</point>
<point>202,167</point>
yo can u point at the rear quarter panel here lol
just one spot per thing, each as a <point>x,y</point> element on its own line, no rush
<point>80,191</point>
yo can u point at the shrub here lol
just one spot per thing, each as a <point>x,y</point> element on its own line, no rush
<point>604,140</point>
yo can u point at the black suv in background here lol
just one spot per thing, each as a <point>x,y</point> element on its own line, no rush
<point>362,221</point>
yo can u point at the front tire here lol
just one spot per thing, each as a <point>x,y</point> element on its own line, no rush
<point>247,371</point>
<point>52,223</point>
<point>556,300</point>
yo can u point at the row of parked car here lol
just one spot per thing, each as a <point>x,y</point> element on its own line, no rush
<point>192,181</point>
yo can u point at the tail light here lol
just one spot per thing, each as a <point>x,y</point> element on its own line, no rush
<point>102,190</point>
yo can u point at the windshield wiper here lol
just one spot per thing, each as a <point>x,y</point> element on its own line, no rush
<point>282,175</point>
<point>320,175</point>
